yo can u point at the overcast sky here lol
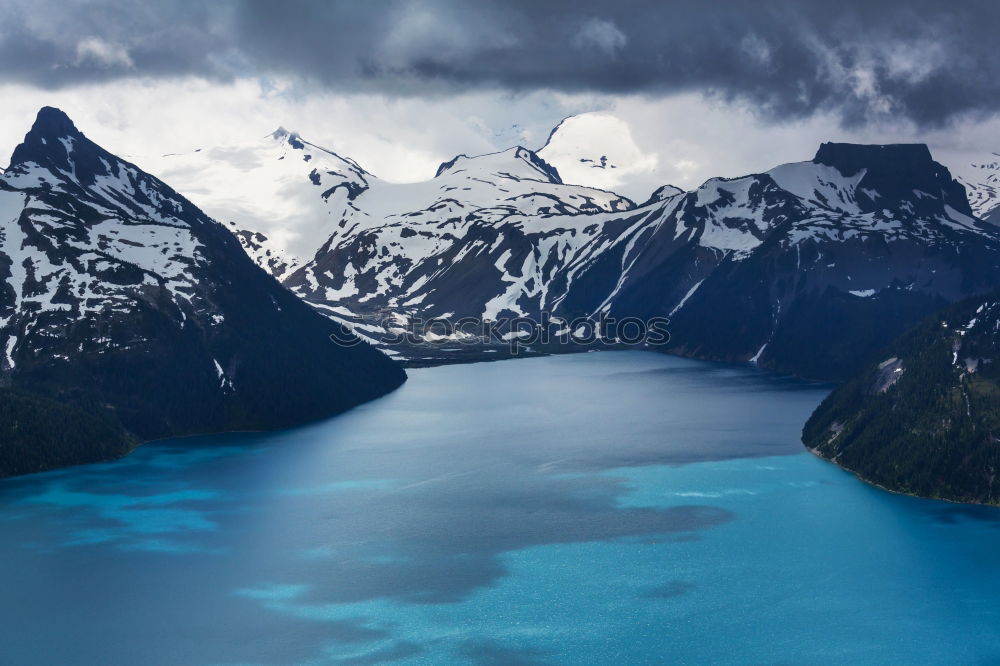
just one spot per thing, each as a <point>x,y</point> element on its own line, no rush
<point>683,90</point>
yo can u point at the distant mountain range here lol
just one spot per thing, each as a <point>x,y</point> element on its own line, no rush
<point>127,314</point>
<point>807,268</point>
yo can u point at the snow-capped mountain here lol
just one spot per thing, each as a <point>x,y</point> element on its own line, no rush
<point>137,314</point>
<point>279,182</point>
<point>311,194</point>
<point>981,179</point>
<point>869,239</point>
<point>840,252</point>
<point>396,244</point>
<point>844,250</point>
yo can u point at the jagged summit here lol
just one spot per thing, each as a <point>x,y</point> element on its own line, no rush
<point>53,122</point>
<point>42,143</point>
<point>293,139</point>
<point>56,156</point>
<point>518,162</point>
<point>888,175</point>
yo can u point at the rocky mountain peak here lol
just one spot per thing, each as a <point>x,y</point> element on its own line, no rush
<point>58,147</point>
<point>849,158</point>
<point>282,135</point>
<point>53,122</point>
<point>894,173</point>
<point>42,143</point>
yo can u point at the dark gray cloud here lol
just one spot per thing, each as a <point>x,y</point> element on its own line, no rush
<point>53,44</point>
<point>922,60</point>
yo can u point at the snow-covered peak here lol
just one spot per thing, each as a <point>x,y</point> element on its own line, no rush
<point>287,193</point>
<point>56,157</point>
<point>286,197</point>
<point>516,163</point>
<point>321,159</point>
<point>892,175</point>
<point>736,214</point>
<point>85,232</point>
<point>289,140</point>
<point>125,302</point>
<point>663,193</point>
<point>496,185</point>
<point>858,179</point>
<point>54,144</point>
<point>43,141</point>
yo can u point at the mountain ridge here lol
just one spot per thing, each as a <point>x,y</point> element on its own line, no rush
<point>856,228</point>
<point>903,242</point>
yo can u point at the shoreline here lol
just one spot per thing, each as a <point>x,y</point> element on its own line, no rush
<point>879,486</point>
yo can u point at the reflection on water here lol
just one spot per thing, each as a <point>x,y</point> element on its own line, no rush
<point>598,508</point>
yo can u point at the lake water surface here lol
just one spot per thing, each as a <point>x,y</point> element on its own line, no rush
<point>606,508</point>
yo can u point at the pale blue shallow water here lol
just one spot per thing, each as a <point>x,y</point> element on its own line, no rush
<point>607,508</point>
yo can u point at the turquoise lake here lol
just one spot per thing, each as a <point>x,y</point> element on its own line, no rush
<point>604,508</point>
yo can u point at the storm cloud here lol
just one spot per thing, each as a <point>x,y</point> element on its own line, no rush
<point>923,61</point>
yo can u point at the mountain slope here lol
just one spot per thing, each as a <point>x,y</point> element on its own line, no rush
<point>123,302</point>
<point>870,239</point>
<point>925,419</point>
<point>982,182</point>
